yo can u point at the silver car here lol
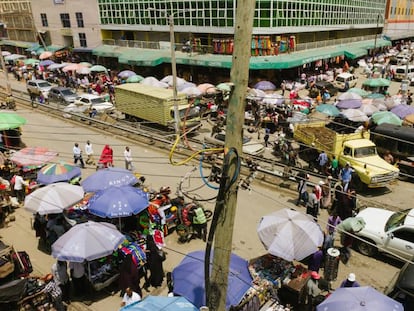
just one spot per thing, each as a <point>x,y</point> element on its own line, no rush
<point>63,95</point>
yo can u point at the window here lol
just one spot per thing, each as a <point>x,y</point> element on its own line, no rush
<point>82,40</point>
<point>43,17</point>
<point>65,19</point>
<point>79,19</point>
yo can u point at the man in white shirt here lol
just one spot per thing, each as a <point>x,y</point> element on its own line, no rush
<point>130,297</point>
<point>128,159</point>
<point>20,187</point>
<point>77,273</point>
<point>89,153</point>
<point>77,155</point>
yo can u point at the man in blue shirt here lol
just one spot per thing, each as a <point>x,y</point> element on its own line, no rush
<point>350,281</point>
<point>322,161</point>
<point>346,175</point>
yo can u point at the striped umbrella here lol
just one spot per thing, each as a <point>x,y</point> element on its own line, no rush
<point>56,172</point>
<point>32,157</point>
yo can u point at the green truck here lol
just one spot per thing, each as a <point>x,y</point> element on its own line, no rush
<point>370,169</point>
<point>154,105</point>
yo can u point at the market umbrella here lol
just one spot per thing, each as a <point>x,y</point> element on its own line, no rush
<point>98,68</point>
<point>13,57</point>
<point>31,62</point>
<point>375,95</point>
<point>352,224</point>
<point>191,91</point>
<point>45,54</point>
<point>225,86</point>
<point>134,79</point>
<point>85,64</point>
<point>290,234</point>
<point>363,298</point>
<point>152,81</point>
<point>368,109</point>
<point>355,115</point>
<point>265,86</point>
<point>409,119</point>
<point>188,279</point>
<point>349,103</point>
<point>46,62</point>
<point>393,101</point>
<point>82,70</point>
<point>386,117</point>
<point>87,241</point>
<point>126,74</point>
<point>53,198</point>
<point>33,156</point>
<point>358,91</point>
<point>71,67</point>
<point>402,110</point>
<point>5,53</point>
<point>10,120</point>
<point>108,177</point>
<point>328,109</point>
<point>349,96</point>
<point>376,82</point>
<point>56,172</point>
<point>169,80</point>
<point>116,202</point>
<point>57,66</point>
<point>175,303</point>
<point>255,93</point>
<point>207,88</point>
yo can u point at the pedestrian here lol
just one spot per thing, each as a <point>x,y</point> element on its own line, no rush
<point>130,297</point>
<point>77,155</point>
<point>155,262</point>
<point>266,137</point>
<point>200,223</point>
<point>350,281</point>
<point>61,277</point>
<point>312,205</point>
<point>345,175</point>
<point>312,290</point>
<point>303,189</point>
<point>316,260</point>
<point>334,167</point>
<point>77,274</point>
<point>322,161</point>
<point>326,199</point>
<point>54,291</point>
<point>106,159</point>
<point>20,187</point>
<point>333,221</point>
<point>89,153</point>
<point>129,276</point>
<point>128,159</point>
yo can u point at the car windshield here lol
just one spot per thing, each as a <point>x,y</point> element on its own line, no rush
<point>97,100</point>
<point>365,152</point>
<point>396,220</point>
<point>44,84</point>
<point>67,92</point>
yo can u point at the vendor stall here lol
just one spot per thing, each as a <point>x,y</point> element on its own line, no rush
<point>103,272</point>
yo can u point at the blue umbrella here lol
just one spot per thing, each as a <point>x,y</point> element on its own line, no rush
<point>161,303</point>
<point>108,177</point>
<point>328,109</point>
<point>116,202</point>
<point>349,104</point>
<point>265,86</point>
<point>402,110</point>
<point>363,298</point>
<point>46,62</point>
<point>188,279</point>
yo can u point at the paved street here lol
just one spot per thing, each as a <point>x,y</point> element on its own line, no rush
<point>59,135</point>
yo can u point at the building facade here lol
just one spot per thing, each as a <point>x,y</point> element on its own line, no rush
<point>399,19</point>
<point>69,23</point>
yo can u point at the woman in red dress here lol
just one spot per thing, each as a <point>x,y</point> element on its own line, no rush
<point>106,158</point>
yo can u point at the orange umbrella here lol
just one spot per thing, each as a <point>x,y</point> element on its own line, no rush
<point>45,54</point>
<point>207,88</point>
<point>71,67</point>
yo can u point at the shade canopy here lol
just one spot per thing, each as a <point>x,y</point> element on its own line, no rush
<point>57,172</point>
<point>10,120</point>
<point>98,68</point>
<point>31,157</point>
<point>386,117</point>
<point>175,303</point>
<point>376,82</point>
<point>107,178</point>
<point>328,109</point>
<point>134,79</point>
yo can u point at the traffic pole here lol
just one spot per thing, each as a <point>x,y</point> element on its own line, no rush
<point>226,204</point>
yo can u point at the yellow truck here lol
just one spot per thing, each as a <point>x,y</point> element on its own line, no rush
<point>154,105</point>
<point>356,148</point>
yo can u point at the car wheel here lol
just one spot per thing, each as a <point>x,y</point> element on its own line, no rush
<point>367,249</point>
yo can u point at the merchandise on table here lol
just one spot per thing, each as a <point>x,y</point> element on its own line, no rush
<point>103,272</point>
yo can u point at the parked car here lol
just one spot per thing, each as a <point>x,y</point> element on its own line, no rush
<point>343,79</point>
<point>328,86</point>
<point>86,101</point>
<point>387,232</point>
<point>250,146</point>
<point>63,95</point>
<point>36,87</point>
<point>401,287</point>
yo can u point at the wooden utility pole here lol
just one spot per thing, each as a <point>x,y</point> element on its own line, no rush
<point>239,75</point>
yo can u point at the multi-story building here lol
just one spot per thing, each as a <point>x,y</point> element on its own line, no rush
<point>399,19</point>
<point>16,15</point>
<point>68,23</point>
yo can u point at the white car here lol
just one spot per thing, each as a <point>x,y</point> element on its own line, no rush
<point>390,232</point>
<point>249,146</point>
<point>86,101</point>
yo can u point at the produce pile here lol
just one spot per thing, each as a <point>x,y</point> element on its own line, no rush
<point>322,135</point>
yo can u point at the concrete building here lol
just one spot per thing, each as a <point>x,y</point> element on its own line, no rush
<point>399,19</point>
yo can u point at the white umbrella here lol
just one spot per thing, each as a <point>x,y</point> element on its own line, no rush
<point>5,53</point>
<point>54,198</point>
<point>368,109</point>
<point>83,70</point>
<point>169,80</point>
<point>191,91</point>
<point>290,234</point>
<point>349,95</point>
<point>152,81</point>
<point>355,115</point>
<point>57,66</point>
<point>87,241</point>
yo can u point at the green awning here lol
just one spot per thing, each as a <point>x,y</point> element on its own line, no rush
<point>33,48</point>
<point>142,57</point>
<point>54,48</point>
<point>354,52</point>
<point>205,60</point>
<point>108,51</point>
<point>370,44</point>
<point>20,44</point>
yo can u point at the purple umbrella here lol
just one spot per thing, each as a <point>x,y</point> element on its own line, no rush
<point>125,74</point>
<point>402,110</point>
<point>265,86</point>
<point>349,104</point>
<point>46,62</point>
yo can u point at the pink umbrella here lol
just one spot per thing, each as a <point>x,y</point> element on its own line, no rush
<point>207,88</point>
<point>71,67</point>
<point>45,54</point>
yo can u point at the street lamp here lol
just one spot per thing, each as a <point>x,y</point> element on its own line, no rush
<point>3,65</point>
<point>170,18</point>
